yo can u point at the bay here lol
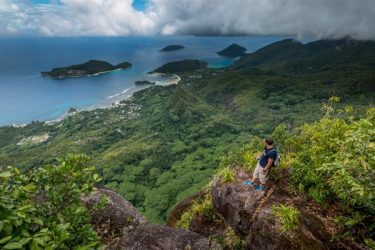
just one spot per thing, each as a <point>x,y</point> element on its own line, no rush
<point>26,96</point>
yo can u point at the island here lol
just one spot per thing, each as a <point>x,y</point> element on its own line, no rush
<point>92,67</point>
<point>181,66</point>
<point>233,50</point>
<point>144,82</point>
<point>172,48</point>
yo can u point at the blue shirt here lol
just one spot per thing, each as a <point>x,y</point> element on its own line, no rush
<point>267,154</point>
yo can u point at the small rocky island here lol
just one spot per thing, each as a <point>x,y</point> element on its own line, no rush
<point>181,66</point>
<point>233,50</point>
<point>92,67</point>
<point>143,83</point>
<point>172,48</point>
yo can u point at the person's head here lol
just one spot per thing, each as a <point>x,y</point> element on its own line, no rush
<point>268,142</point>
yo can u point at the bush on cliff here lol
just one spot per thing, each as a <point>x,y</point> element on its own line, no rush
<point>42,209</point>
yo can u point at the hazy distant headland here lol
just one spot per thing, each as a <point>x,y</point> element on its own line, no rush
<point>170,48</point>
<point>181,66</point>
<point>233,50</point>
<point>92,67</point>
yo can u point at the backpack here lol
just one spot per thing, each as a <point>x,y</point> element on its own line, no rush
<point>276,162</point>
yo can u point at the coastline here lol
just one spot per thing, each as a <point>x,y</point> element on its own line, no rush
<point>89,75</point>
<point>32,97</point>
<point>116,102</point>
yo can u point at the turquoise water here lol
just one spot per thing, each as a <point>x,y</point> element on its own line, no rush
<point>25,96</point>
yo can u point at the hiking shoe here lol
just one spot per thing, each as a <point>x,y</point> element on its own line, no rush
<point>259,188</point>
<point>250,183</point>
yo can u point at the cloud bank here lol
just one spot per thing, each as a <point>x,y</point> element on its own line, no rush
<point>299,18</point>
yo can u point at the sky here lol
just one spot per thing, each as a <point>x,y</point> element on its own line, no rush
<point>300,18</point>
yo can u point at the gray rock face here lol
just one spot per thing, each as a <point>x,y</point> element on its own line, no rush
<point>121,226</point>
<point>164,237</point>
<point>266,234</point>
<point>249,213</point>
<point>236,204</point>
<point>119,214</point>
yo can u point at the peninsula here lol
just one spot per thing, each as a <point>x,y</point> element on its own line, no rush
<point>92,67</point>
<point>181,66</point>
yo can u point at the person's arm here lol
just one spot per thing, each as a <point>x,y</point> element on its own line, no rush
<point>268,166</point>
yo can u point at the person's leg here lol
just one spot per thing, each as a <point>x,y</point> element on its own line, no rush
<point>263,177</point>
<point>256,173</point>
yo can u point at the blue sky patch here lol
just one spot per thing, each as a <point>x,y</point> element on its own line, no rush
<point>137,4</point>
<point>140,4</point>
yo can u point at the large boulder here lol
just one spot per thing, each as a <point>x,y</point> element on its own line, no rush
<point>121,226</point>
<point>236,204</point>
<point>117,216</point>
<point>158,237</point>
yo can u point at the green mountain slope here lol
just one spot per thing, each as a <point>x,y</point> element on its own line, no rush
<point>164,143</point>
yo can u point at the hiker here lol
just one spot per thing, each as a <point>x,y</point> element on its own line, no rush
<point>265,162</point>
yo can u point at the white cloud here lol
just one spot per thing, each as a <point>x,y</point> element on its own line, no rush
<point>314,18</point>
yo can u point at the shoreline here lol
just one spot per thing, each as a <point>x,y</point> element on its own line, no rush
<point>111,105</point>
<point>89,75</point>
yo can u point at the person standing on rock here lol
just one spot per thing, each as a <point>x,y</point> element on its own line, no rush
<point>265,162</point>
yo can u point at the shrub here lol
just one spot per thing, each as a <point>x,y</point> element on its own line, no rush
<point>231,240</point>
<point>245,156</point>
<point>333,160</point>
<point>288,216</point>
<point>200,208</point>
<point>226,175</point>
<point>41,209</point>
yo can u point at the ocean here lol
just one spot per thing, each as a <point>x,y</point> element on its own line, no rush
<point>26,96</point>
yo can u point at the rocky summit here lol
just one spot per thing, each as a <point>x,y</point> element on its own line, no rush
<point>251,217</point>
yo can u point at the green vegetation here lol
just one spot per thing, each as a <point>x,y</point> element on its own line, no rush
<point>165,143</point>
<point>226,175</point>
<point>233,50</point>
<point>288,216</point>
<point>181,66</point>
<point>42,208</point>
<point>230,240</point>
<point>334,159</point>
<point>331,161</point>
<point>201,208</point>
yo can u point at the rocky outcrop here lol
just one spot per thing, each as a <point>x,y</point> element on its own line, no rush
<point>163,237</point>
<point>236,205</point>
<point>250,214</point>
<point>121,226</point>
<point>118,214</point>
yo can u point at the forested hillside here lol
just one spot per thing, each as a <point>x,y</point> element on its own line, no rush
<point>165,143</point>
<point>324,187</point>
